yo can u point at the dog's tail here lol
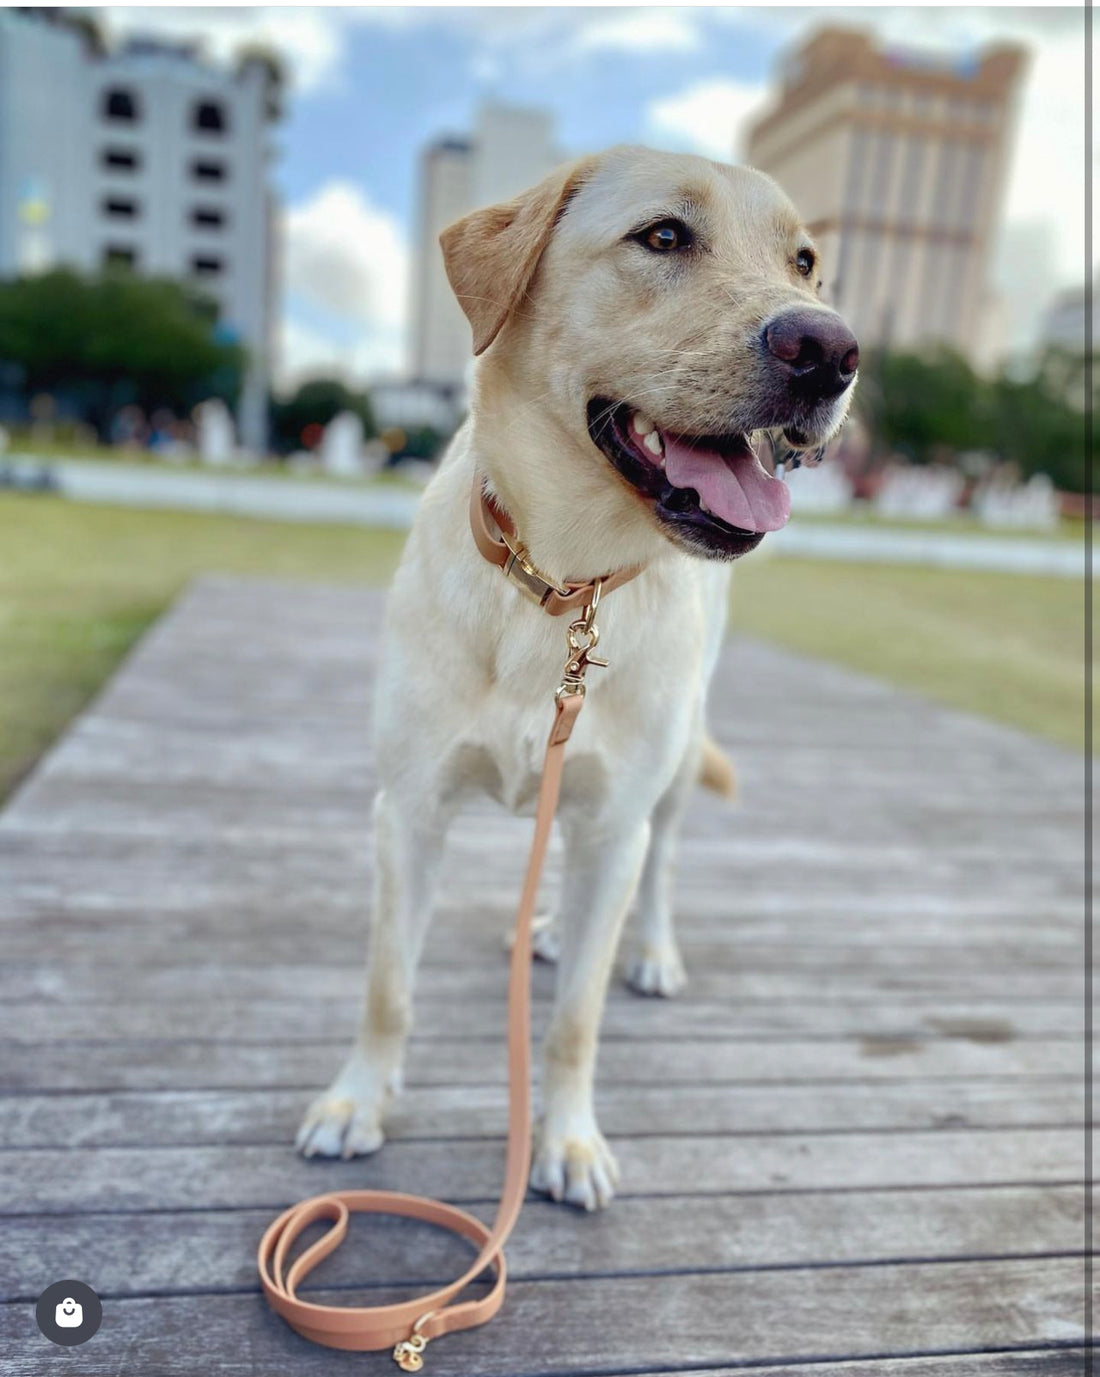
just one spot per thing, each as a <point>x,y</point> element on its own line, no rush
<point>716,770</point>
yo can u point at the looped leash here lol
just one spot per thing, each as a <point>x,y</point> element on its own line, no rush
<point>408,1326</point>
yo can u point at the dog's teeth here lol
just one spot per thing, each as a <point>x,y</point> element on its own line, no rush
<point>642,425</point>
<point>652,442</point>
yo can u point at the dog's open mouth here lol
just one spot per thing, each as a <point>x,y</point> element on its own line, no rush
<point>709,490</point>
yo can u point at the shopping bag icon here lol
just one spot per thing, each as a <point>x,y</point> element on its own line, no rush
<point>69,1314</point>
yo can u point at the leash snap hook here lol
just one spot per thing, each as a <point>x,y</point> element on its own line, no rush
<point>409,1353</point>
<point>582,637</point>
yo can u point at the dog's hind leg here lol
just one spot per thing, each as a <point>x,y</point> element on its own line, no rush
<point>572,1161</point>
<point>347,1119</point>
<point>656,968</point>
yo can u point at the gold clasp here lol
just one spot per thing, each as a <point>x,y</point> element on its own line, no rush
<point>582,636</point>
<point>409,1353</point>
<point>522,574</point>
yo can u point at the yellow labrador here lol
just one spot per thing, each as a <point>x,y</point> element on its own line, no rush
<point>640,319</point>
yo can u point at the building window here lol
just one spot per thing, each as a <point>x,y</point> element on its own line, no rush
<point>207,217</point>
<point>120,159</point>
<point>950,166</point>
<point>119,104</point>
<point>876,189</point>
<point>209,116</point>
<point>969,193</point>
<point>118,256</point>
<point>120,208</point>
<point>912,180</point>
<point>205,265</point>
<point>204,170</point>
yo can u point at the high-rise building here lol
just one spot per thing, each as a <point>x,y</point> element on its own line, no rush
<point>145,157</point>
<point>896,160</point>
<point>510,149</point>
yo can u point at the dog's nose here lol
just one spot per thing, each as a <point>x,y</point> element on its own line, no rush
<point>816,351</point>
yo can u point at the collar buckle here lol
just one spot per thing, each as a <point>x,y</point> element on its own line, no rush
<point>522,574</point>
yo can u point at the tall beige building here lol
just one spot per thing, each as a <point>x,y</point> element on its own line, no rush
<point>510,149</point>
<point>896,160</point>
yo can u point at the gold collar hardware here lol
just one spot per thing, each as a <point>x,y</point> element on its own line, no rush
<point>496,538</point>
<point>522,574</point>
<point>582,636</point>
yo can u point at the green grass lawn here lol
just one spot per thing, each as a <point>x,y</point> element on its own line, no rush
<point>79,584</point>
<point>145,459</point>
<point>1009,646</point>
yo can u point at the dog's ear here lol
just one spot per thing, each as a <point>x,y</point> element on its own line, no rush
<point>491,255</point>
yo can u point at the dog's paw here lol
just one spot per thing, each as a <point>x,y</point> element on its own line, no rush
<point>545,938</point>
<point>337,1126</point>
<point>346,1121</point>
<point>657,971</point>
<point>577,1168</point>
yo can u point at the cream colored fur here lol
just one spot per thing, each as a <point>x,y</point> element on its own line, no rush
<point>563,311</point>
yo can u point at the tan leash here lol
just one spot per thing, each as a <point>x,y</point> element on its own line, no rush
<point>408,1326</point>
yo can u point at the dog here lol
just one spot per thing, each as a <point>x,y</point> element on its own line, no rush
<point>640,321</point>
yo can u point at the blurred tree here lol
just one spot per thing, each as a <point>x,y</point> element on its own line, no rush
<point>315,404</point>
<point>921,404</point>
<point>419,442</point>
<point>1035,426</point>
<point>917,403</point>
<point>114,340</point>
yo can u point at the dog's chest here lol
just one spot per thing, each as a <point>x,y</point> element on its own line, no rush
<point>502,751</point>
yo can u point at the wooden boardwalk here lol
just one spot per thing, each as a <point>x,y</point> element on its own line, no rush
<point>852,1148</point>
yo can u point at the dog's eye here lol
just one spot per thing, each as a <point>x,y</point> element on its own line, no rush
<point>666,236</point>
<point>804,261</point>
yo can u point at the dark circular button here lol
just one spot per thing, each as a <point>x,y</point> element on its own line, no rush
<point>68,1312</point>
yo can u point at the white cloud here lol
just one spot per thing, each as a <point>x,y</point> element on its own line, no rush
<point>345,261</point>
<point>304,352</point>
<point>308,40</point>
<point>638,31</point>
<point>710,117</point>
<point>346,256</point>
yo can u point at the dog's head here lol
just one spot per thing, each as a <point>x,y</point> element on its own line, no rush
<point>663,310</point>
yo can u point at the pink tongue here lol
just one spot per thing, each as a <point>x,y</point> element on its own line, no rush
<point>737,488</point>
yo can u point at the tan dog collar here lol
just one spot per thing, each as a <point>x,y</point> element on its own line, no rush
<point>495,536</point>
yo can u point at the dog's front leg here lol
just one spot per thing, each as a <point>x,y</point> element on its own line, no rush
<point>572,1161</point>
<point>656,968</point>
<point>347,1119</point>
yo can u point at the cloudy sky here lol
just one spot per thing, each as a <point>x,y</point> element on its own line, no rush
<point>369,87</point>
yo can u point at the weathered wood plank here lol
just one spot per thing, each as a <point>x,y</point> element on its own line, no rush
<point>138,1064</point>
<point>746,929</point>
<point>1049,1362</point>
<point>618,1324</point>
<point>965,854</point>
<point>900,1016</point>
<point>229,1117</point>
<point>213,1251</point>
<point>202,975</point>
<point>56,1181</point>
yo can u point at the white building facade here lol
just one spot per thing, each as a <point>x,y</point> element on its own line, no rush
<point>896,160</point>
<point>511,149</point>
<point>146,158</point>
